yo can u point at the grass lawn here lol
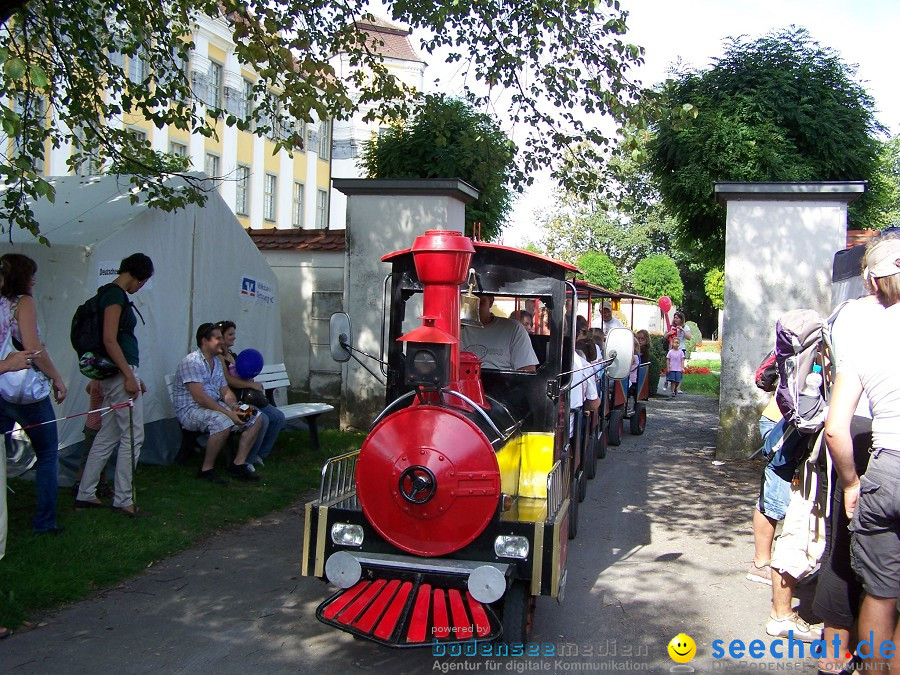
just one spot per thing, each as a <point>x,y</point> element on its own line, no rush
<point>707,385</point>
<point>99,548</point>
<point>710,347</point>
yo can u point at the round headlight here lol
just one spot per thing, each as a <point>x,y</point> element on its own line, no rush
<point>424,363</point>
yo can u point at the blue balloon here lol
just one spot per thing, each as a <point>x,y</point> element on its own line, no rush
<point>249,364</point>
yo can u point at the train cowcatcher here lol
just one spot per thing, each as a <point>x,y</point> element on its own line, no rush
<point>455,513</point>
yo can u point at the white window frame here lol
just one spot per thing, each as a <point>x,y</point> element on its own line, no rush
<point>215,84</point>
<point>299,198</point>
<point>270,194</point>
<point>178,149</point>
<point>322,209</point>
<point>242,190</point>
<point>213,161</point>
<point>325,140</point>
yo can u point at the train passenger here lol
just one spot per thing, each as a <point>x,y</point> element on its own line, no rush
<point>584,394</point>
<point>501,344</point>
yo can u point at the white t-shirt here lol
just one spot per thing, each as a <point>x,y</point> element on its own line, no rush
<point>868,355</point>
<point>584,387</point>
<point>853,315</point>
<point>502,345</point>
<point>612,323</point>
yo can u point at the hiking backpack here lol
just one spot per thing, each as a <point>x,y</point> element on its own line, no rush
<point>802,338</point>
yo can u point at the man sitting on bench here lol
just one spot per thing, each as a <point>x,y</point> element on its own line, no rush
<point>204,402</point>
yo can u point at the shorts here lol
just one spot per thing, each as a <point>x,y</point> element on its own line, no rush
<point>212,422</point>
<point>674,376</point>
<point>875,527</point>
<point>784,446</point>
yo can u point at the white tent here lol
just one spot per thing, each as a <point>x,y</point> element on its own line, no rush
<point>206,269</point>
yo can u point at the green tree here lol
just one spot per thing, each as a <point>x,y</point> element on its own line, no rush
<point>885,186</point>
<point>778,108</point>
<point>657,276</point>
<point>448,138</point>
<point>597,268</point>
<point>65,82</point>
<point>714,284</point>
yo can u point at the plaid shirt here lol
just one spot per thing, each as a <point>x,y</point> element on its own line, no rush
<point>195,368</point>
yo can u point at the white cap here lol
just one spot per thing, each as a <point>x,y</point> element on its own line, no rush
<point>607,305</point>
<point>883,260</point>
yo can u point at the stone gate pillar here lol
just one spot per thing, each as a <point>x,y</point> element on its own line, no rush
<point>780,241</point>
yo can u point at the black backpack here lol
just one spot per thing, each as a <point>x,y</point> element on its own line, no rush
<point>86,335</point>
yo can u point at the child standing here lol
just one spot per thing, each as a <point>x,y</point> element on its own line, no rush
<point>674,366</point>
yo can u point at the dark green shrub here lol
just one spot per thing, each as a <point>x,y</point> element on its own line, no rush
<point>657,361</point>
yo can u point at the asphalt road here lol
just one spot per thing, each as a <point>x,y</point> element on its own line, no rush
<point>663,545</point>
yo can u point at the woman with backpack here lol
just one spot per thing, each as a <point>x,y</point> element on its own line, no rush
<point>123,427</point>
<point>870,499</point>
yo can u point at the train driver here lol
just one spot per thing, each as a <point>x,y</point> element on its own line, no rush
<point>502,344</point>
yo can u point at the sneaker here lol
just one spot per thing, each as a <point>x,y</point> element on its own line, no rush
<point>211,476</point>
<point>259,462</point>
<point>791,626</point>
<point>250,467</point>
<point>241,472</point>
<point>760,575</point>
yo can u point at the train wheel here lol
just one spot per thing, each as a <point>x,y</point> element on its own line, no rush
<point>590,455</point>
<point>573,510</point>
<point>616,426</point>
<point>601,442</point>
<point>517,613</point>
<point>639,419</point>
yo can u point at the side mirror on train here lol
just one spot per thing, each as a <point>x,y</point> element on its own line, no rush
<point>340,336</point>
<point>619,347</point>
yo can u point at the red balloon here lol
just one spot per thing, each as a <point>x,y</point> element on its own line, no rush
<point>665,303</point>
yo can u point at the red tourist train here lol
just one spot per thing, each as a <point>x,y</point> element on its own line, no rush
<point>455,513</point>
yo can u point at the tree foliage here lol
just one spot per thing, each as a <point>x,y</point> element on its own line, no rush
<point>656,276</point>
<point>597,268</point>
<point>778,108</point>
<point>714,284</point>
<point>65,79</point>
<point>448,138</point>
<point>884,186</point>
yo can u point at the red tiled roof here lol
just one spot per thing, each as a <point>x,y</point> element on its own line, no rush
<point>855,237</point>
<point>396,40</point>
<point>298,240</point>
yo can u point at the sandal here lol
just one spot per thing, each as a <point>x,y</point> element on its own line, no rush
<point>136,513</point>
<point>4,632</point>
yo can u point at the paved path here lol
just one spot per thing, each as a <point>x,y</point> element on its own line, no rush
<point>663,546</point>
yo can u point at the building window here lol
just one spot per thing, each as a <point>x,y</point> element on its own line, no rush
<point>30,109</point>
<point>90,164</point>
<point>242,190</point>
<point>214,85</point>
<point>322,209</point>
<point>324,139</point>
<point>270,186</point>
<point>137,69</point>
<point>212,165</point>
<point>177,149</point>
<point>248,99</point>
<point>139,135</point>
<point>297,214</point>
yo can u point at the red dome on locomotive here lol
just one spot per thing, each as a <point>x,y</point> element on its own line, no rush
<point>428,480</point>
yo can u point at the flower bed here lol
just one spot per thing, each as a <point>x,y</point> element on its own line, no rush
<point>695,370</point>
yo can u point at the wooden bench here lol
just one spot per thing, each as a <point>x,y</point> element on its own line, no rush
<point>272,377</point>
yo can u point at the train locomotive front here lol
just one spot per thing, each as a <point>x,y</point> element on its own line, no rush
<point>454,514</point>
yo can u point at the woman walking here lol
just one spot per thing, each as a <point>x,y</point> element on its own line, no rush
<point>123,428</point>
<point>18,314</point>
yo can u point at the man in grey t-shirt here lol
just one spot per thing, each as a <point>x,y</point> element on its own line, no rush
<point>502,344</point>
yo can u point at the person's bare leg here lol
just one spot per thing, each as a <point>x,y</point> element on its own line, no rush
<point>763,536</point>
<point>877,616</point>
<point>782,594</point>
<point>245,444</point>
<point>214,445</point>
<point>835,656</point>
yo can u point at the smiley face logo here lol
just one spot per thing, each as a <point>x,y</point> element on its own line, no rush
<point>682,648</point>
